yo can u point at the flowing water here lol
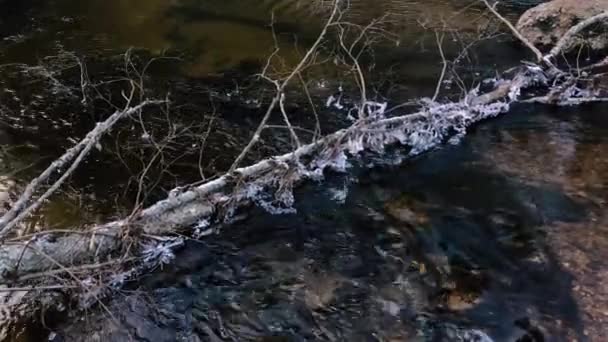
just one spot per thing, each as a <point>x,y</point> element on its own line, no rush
<point>501,237</point>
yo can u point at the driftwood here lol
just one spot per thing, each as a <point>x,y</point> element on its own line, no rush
<point>141,238</point>
<point>420,131</point>
<point>71,158</point>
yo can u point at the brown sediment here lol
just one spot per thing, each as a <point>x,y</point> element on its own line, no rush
<point>578,169</point>
<point>582,250</point>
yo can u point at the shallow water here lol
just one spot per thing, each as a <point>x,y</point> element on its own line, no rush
<point>455,242</point>
<point>202,54</point>
<point>500,236</point>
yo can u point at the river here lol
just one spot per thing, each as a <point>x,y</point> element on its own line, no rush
<point>501,237</point>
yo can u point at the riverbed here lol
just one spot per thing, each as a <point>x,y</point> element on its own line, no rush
<point>500,237</point>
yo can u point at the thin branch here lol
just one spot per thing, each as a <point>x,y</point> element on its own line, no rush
<point>317,131</point>
<point>74,155</point>
<point>294,136</point>
<point>423,129</point>
<point>516,33</point>
<point>567,38</point>
<point>444,62</point>
<point>280,87</point>
<point>38,288</point>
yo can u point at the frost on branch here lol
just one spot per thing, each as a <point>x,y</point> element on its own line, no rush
<point>270,184</point>
<point>160,252</point>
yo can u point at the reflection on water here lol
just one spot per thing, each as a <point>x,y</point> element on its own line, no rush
<point>211,36</point>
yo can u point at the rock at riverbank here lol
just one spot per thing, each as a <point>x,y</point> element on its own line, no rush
<point>544,24</point>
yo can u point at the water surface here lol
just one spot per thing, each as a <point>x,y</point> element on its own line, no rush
<point>441,248</point>
<point>499,237</point>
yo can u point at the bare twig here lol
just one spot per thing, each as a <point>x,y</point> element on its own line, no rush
<point>281,85</point>
<point>444,65</point>
<point>425,128</point>
<point>516,33</point>
<point>75,155</point>
<point>294,136</point>
<point>38,288</point>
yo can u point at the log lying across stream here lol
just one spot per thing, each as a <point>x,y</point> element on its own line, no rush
<point>30,269</point>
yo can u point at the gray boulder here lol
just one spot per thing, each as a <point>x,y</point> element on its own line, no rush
<point>546,23</point>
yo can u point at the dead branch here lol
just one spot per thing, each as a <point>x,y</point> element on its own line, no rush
<point>282,84</point>
<point>213,201</point>
<point>566,40</point>
<point>444,63</point>
<point>75,155</point>
<point>516,33</point>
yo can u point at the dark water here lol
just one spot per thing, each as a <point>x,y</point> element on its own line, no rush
<point>500,237</point>
<point>457,241</point>
<point>203,55</point>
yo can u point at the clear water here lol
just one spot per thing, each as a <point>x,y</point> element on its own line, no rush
<point>501,236</point>
<point>493,235</point>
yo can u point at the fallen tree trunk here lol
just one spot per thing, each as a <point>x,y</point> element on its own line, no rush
<point>64,253</point>
<point>545,24</point>
<point>29,268</point>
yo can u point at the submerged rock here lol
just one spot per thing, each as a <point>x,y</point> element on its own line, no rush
<point>546,23</point>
